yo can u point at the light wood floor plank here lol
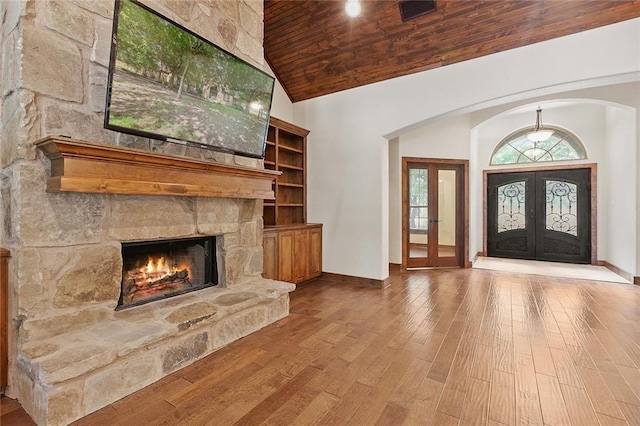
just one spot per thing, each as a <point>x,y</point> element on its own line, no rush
<point>392,415</point>
<point>526,388</point>
<point>459,382</point>
<point>610,421</point>
<point>346,407</point>
<point>599,393</point>
<point>565,369</point>
<point>423,408</point>
<point>631,413</point>
<point>554,410</point>
<point>442,419</point>
<point>407,390</point>
<point>267,406</point>
<point>502,399</point>
<point>476,407</point>
<point>372,407</point>
<point>578,406</point>
<point>436,347</point>
<point>482,363</point>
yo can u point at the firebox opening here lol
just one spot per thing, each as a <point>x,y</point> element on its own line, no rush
<point>154,270</point>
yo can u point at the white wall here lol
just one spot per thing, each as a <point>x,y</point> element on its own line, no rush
<point>346,157</point>
<point>622,217</point>
<point>444,138</point>
<point>395,202</point>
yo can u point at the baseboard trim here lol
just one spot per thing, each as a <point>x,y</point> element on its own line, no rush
<point>359,281</point>
<point>624,274</point>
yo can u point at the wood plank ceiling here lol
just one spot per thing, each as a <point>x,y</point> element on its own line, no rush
<point>315,49</point>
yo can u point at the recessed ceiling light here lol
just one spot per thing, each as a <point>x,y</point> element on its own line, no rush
<point>353,8</point>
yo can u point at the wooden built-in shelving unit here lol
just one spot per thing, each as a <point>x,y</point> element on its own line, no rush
<point>292,247</point>
<point>286,153</point>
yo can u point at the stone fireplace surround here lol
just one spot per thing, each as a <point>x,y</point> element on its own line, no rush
<point>54,66</point>
<point>75,353</point>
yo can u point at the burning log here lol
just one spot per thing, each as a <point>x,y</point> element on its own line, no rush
<point>134,286</point>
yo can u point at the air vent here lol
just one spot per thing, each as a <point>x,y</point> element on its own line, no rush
<point>410,9</point>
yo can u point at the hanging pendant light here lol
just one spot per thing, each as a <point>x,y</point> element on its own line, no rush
<point>353,8</point>
<point>539,134</point>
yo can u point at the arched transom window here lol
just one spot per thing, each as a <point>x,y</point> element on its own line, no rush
<point>517,148</point>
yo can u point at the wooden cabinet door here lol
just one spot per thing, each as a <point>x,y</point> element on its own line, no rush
<point>285,256</point>
<point>270,257</point>
<point>301,259</point>
<point>315,252</point>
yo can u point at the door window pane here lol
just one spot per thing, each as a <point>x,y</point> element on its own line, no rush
<point>511,207</point>
<point>418,212</point>
<point>446,213</point>
<point>562,207</point>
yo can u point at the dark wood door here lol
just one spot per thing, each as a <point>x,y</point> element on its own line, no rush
<point>433,213</point>
<point>542,215</point>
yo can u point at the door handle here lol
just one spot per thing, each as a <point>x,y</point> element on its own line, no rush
<point>435,221</point>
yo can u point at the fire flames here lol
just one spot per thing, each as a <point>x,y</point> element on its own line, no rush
<point>156,270</point>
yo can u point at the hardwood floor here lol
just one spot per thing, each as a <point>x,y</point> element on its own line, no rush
<point>437,347</point>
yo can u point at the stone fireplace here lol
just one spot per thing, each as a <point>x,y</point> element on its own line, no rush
<point>71,352</point>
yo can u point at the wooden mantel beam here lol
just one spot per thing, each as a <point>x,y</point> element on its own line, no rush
<point>81,166</point>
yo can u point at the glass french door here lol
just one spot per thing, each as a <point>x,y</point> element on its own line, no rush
<point>433,213</point>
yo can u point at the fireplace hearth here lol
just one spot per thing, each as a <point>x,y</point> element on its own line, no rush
<point>154,270</point>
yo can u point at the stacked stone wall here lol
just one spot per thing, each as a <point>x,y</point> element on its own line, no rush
<point>66,263</point>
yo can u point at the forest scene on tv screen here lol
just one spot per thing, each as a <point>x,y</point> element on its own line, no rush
<point>168,82</point>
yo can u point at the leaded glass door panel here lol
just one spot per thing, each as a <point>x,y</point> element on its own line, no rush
<point>564,215</point>
<point>542,215</point>
<point>511,215</point>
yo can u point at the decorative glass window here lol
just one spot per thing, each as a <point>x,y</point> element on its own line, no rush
<point>511,206</point>
<point>517,148</point>
<point>562,207</point>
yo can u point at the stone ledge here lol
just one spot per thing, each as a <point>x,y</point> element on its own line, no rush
<point>71,355</point>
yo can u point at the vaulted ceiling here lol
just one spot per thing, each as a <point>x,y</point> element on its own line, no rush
<point>315,49</point>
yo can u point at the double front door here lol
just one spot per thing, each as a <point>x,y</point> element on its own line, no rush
<point>433,212</point>
<point>541,215</point>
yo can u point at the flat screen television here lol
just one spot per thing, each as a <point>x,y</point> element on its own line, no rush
<point>166,82</point>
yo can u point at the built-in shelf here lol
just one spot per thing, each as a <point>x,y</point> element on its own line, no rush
<point>292,185</point>
<point>288,148</point>
<point>289,166</point>
<point>82,166</point>
<point>290,205</point>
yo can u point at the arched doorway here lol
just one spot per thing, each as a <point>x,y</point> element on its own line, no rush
<point>540,213</point>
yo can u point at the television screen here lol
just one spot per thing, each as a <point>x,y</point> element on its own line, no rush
<point>165,82</point>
